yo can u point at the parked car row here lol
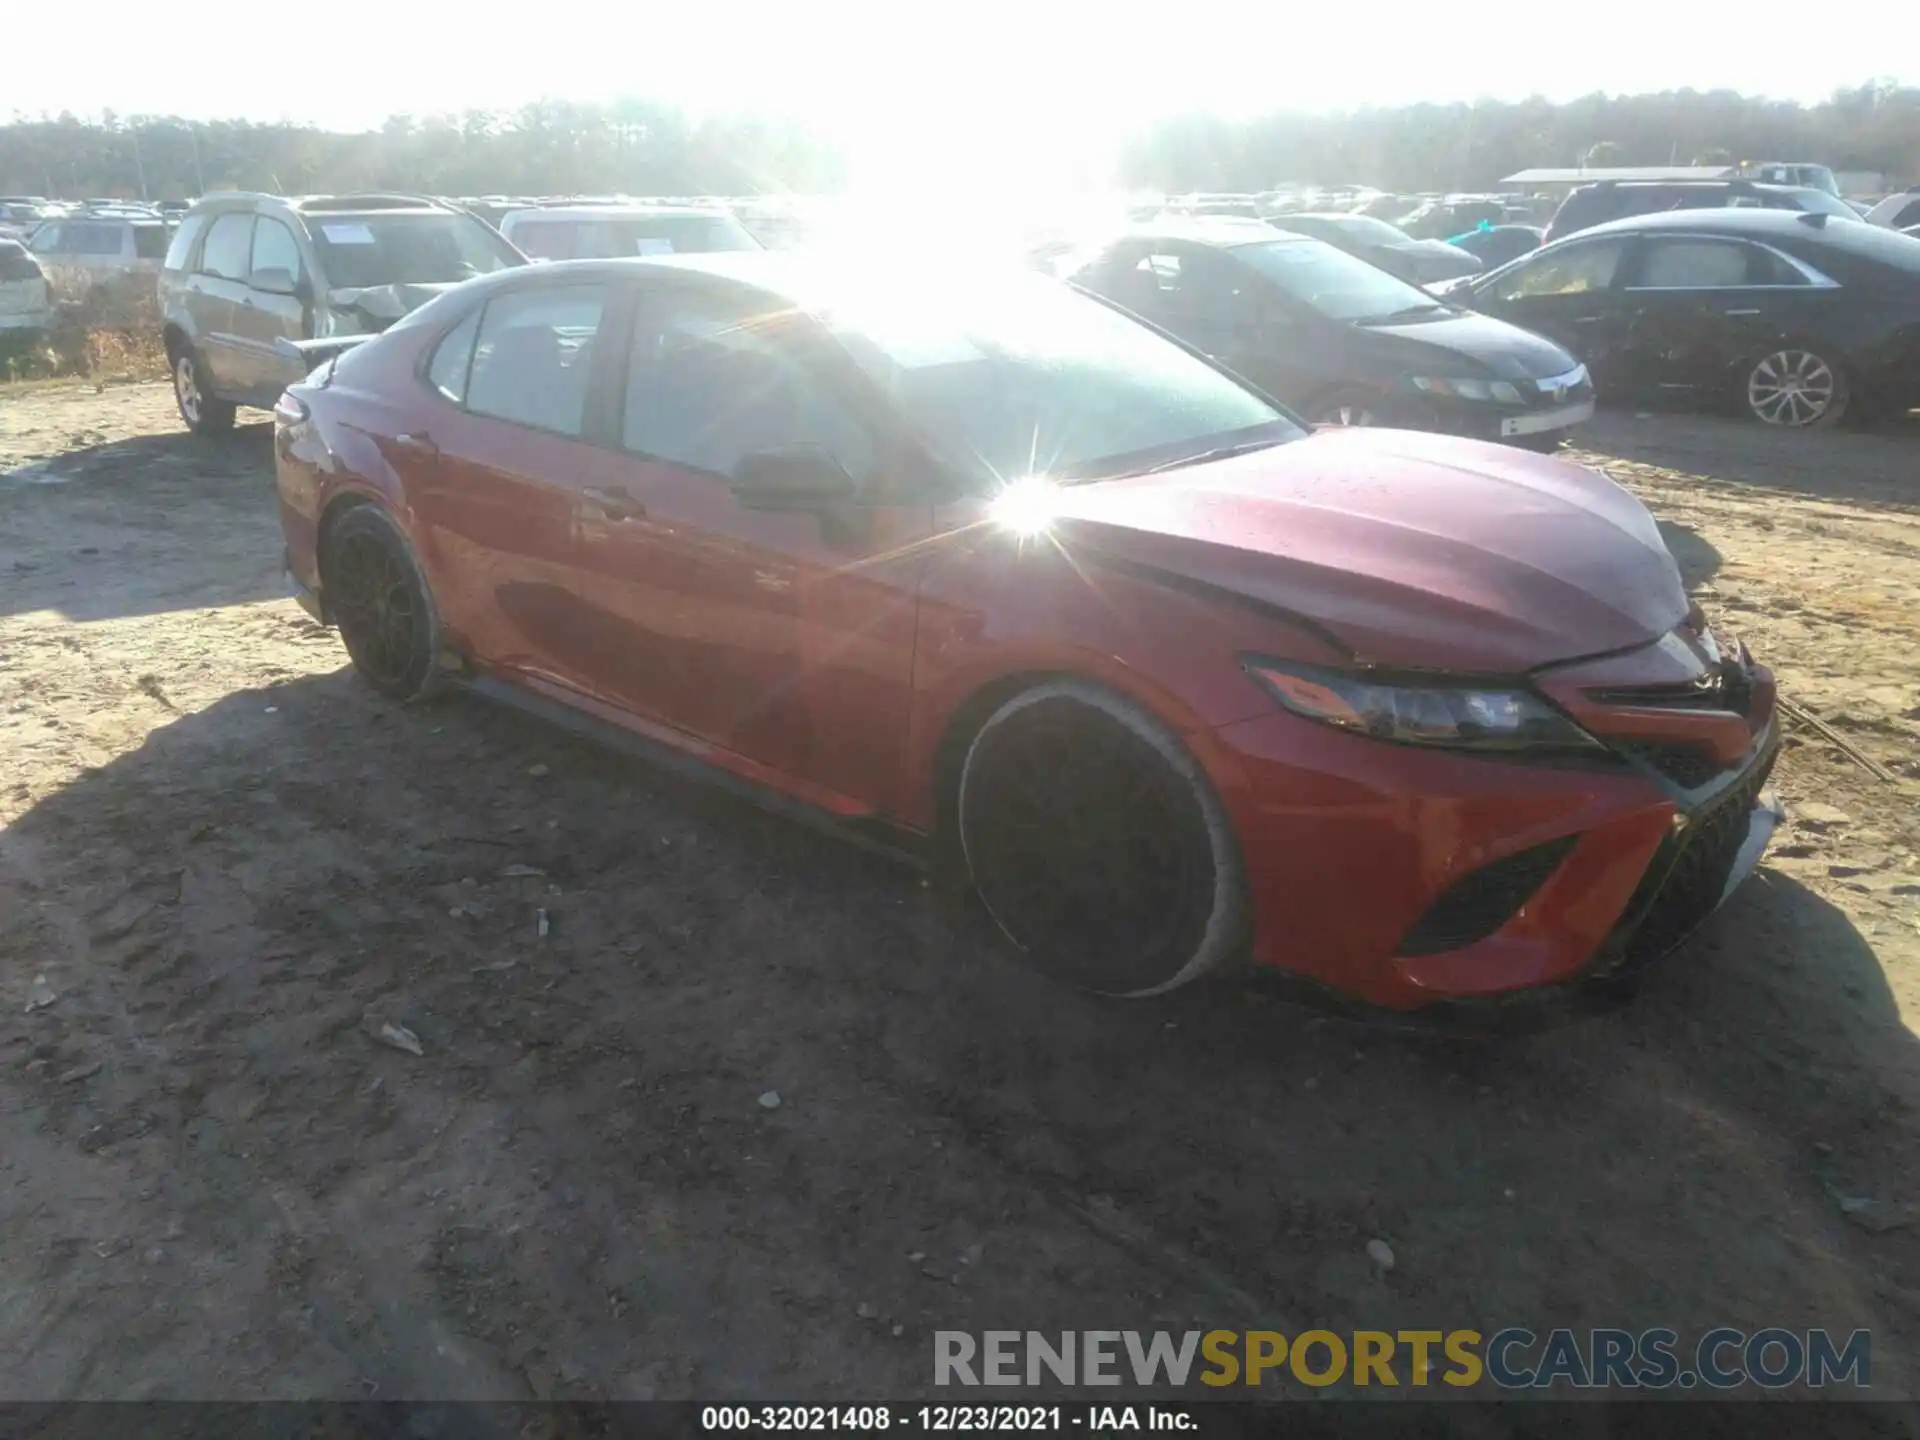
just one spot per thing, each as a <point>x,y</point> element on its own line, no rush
<point>1795,318</point>
<point>993,573</point>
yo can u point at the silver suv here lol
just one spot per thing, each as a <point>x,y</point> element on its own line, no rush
<point>250,280</point>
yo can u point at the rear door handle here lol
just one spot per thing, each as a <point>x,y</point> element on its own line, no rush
<point>1586,319</point>
<point>615,500</point>
<point>415,443</point>
<point>1740,312</point>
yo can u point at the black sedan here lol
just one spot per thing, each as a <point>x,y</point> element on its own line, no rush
<point>1338,340</point>
<point>1378,243</point>
<point>1794,318</point>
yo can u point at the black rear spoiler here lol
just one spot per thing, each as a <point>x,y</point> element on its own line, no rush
<point>312,354</point>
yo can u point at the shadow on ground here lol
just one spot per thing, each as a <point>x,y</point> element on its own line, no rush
<point>1878,467</point>
<point>759,1114</point>
<point>142,525</point>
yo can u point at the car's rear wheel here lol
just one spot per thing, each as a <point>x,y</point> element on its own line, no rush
<point>377,595</point>
<point>1097,843</point>
<point>1797,388</point>
<point>203,414</point>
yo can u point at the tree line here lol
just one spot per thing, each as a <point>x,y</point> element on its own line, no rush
<point>636,147</point>
<point>548,148</point>
<point>1874,127</point>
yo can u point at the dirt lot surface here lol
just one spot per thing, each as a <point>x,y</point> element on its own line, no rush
<point>225,865</point>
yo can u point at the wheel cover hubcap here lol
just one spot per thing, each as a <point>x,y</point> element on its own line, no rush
<point>1791,387</point>
<point>187,386</point>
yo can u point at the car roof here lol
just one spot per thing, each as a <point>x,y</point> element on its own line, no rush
<point>615,212</point>
<point>1744,220</point>
<point>807,280</point>
<point>1221,230</point>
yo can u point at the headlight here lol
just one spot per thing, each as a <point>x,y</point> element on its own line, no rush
<point>1458,717</point>
<point>1466,388</point>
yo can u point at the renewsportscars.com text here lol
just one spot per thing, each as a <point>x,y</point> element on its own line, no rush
<point>1512,1359</point>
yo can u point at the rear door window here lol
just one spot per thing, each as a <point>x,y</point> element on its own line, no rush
<point>533,356</point>
<point>149,241</point>
<point>229,248</point>
<point>710,382</point>
<point>1691,264</point>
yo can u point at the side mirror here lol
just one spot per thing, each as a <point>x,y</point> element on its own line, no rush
<point>274,282</point>
<point>798,477</point>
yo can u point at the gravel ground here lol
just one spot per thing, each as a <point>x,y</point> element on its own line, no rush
<point>225,866</point>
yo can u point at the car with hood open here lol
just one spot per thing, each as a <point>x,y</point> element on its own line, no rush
<point>989,574</point>
<point>1338,339</point>
<point>251,282</point>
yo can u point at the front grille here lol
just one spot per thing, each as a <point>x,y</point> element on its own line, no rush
<point>1479,903</point>
<point>1688,766</point>
<point>1683,883</point>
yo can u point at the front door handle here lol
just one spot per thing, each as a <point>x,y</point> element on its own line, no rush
<point>614,499</point>
<point>1586,319</point>
<point>1740,312</point>
<point>416,443</point>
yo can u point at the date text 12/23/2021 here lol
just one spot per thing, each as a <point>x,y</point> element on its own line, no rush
<point>948,1419</point>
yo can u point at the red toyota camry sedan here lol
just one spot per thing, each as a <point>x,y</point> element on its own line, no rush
<point>996,572</point>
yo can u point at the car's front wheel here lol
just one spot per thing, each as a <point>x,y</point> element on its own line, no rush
<point>375,592</point>
<point>204,415</point>
<point>1097,843</point>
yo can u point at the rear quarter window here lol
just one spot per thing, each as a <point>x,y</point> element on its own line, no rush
<point>453,357</point>
<point>149,241</point>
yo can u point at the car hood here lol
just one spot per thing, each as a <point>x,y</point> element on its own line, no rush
<point>367,308</point>
<point>1502,350</point>
<point>1414,551</point>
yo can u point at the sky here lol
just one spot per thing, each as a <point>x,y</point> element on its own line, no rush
<point>948,90</point>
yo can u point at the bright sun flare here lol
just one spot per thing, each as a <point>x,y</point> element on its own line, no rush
<point>1027,506</point>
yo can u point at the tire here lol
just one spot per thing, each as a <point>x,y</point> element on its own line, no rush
<point>1795,387</point>
<point>204,415</point>
<point>1097,843</point>
<point>1345,407</point>
<point>375,592</point>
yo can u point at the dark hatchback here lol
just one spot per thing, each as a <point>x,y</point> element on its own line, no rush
<point>1339,340</point>
<point>1795,318</point>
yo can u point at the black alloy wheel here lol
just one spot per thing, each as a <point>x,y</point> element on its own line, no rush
<point>1098,845</point>
<point>378,597</point>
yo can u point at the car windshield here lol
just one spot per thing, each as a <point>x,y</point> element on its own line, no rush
<point>605,237</point>
<point>1336,284</point>
<point>1020,375</point>
<point>357,251</point>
